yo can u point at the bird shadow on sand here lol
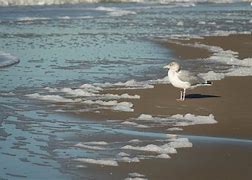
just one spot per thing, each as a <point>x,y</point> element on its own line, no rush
<point>200,96</point>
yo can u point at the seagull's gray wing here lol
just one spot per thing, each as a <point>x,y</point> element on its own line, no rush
<point>190,77</point>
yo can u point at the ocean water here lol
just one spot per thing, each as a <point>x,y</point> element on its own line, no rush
<point>64,53</point>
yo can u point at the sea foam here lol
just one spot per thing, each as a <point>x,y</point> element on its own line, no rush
<point>105,162</point>
<point>179,119</point>
<point>191,119</point>
<point>163,149</point>
<point>136,176</point>
<point>82,145</point>
<point>91,95</point>
<point>128,159</point>
<point>115,11</point>
<point>52,98</point>
<point>130,84</point>
<point>180,143</point>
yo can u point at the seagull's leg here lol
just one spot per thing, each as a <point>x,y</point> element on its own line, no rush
<point>184,95</point>
<point>181,96</point>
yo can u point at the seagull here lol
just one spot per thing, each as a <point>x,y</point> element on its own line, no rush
<point>183,79</point>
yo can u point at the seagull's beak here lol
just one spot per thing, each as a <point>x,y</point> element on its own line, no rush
<point>167,67</point>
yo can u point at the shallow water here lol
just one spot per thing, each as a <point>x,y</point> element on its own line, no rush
<point>61,47</point>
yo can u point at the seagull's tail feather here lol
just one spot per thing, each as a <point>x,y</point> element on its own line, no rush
<point>208,83</point>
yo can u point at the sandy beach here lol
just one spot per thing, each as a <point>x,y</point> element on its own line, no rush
<point>84,95</point>
<point>220,151</point>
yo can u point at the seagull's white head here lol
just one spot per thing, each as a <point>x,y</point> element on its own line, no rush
<point>173,66</point>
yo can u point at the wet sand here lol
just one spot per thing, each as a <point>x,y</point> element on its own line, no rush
<point>225,157</point>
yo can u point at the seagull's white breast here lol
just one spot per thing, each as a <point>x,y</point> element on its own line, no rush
<point>176,82</point>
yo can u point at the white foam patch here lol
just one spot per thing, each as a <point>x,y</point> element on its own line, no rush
<point>142,126</point>
<point>114,105</point>
<point>100,102</point>
<point>7,94</point>
<point>77,92</point>
<point>73,92</point>
<point>91,88</point>
<point>212,23</point>
<point>145,117</point>
<point>237,67</point>
<point>190,119</point>
<point>135,141</point>
<point>136,176</point>
<point>32,18</point>
<point>123,96</point>
<point>90,95</point>
<point>113,121</point>
<point>101,143</point>
<point>180,143</point>
<point>163,156</point>
<point>88,90</point>
<point>130,84</point>
<point>81,166</point>
<point>123,154</point>
<point>105,162</point>
<point>129,123</point>
<point>175,129</point>
<point>166,149</point>
<point>213,76</point>
<point>52,98</point>
<point>81,145</point>
<point>171,136</point>
<point>202,22</point>
<point>112,11</point>
<point>123,106</point>
<point>179,120</point>
<point>134,84</point>
<point>180,23</point>
<point>128,159</point>
<point>64,17</point>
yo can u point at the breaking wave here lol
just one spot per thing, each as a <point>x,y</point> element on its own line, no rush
<point>59,2</point>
